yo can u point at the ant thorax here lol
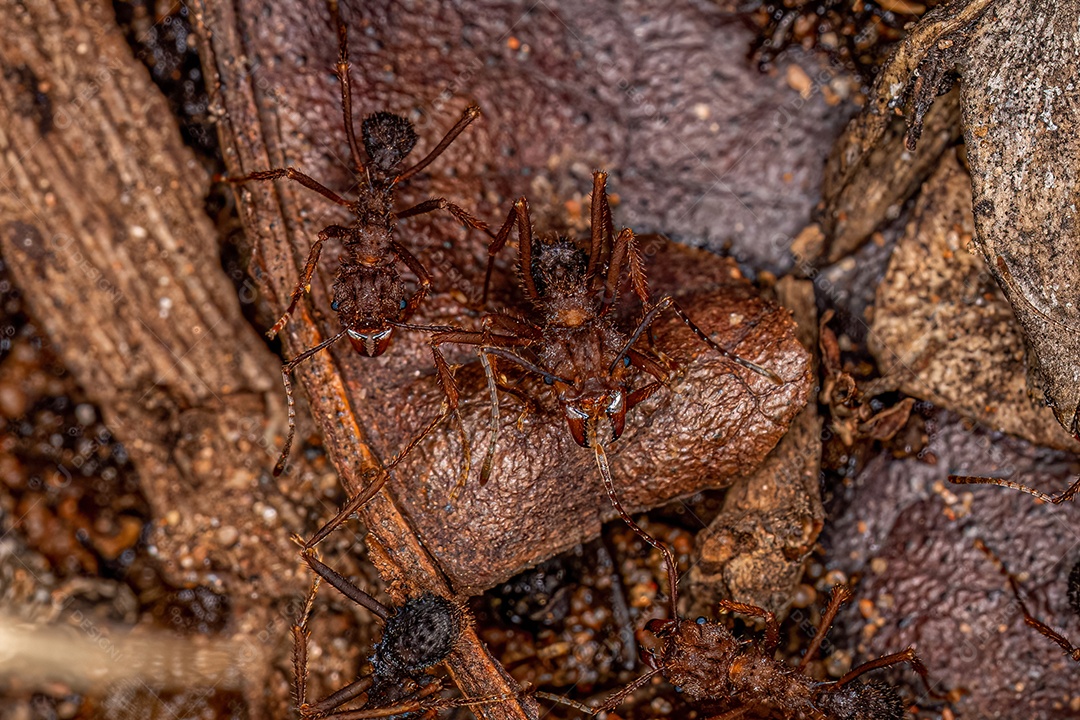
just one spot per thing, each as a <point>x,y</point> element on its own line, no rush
<point>559,270</point>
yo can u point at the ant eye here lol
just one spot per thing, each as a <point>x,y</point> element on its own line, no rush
<point>626,361</point>
<point>548,380</point>
<point>701,621</point>
<point>335,305</point>
<point>402,305</point>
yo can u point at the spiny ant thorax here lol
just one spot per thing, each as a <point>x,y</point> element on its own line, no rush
<point>421,634</point>
<point>388,138</point>
<point>558,267</point>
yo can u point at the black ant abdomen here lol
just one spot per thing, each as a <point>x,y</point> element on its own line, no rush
<point>388,138</point>
<point>870,700</point>
<point>420,635</point>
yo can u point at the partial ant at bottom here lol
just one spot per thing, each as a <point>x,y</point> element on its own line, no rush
<point>709,664</point>
<point>416,637</point>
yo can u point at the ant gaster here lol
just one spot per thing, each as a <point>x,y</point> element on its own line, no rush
<point>1072,651</point>
<point>570,338</point>
<point>369,294</point>
<point>708,663</point>
<point>416,637</point>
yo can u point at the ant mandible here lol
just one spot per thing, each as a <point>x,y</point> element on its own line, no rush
<point>574,343</point>
<point>1072,651</point>
<point>370,297</point>
<point>416,637</point>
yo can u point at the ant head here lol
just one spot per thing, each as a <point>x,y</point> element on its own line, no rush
<point>388,138</point>
<point>421,634</point>
<point>871,700</point>
<point>584,411</point>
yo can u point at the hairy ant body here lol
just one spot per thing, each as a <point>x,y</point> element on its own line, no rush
<point>416,637</point>
<point>370,297</point>
<point>707,662</point>
<point>1070,492</point>
<point>1072,651</point>
<point>570,339</point>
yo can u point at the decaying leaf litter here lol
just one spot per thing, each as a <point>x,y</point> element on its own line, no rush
<point>565,181</point>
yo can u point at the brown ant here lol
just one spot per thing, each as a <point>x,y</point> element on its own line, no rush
<point>705,660</point>
<point>1072,651</point>
<point>416,637</point>
<point>1070,492</point>
<point>370,296</point>
<point>571,339</point>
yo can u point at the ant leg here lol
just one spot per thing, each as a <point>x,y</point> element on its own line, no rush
<point>907,655</point>
<point>301,635</point>
<point>615,700</point>
<point>1064,496</point>
<point>471,113</point>
<point>381,476</point>
<point>840,595</point>
<point>1029,619</point>
<point>286,370</point>
<point>733,714</point>
<point>772,628</point>
<point>290,173</point>
<point>764,372</point>
<point>669,559</point>
<point>496,245</point>
<point>600,214</point>
<point>494,422</point>
<point>625,249</point>
<point>304,285</point>
<point>422,276</point>
<point>458,212</point>
<point>414,703</point>
<point>342,69</point>
<point>344,586</point>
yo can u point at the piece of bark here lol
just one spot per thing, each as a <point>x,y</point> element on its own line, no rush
<point>1021,113</point>
<point>875,166</point>
<point>942,331</point>
<point>104,231</point>
<point>753,552</point>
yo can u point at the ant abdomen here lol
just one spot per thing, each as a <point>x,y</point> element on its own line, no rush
<point>870,700</point>
<point>388,138</point>
<point>420,635</point>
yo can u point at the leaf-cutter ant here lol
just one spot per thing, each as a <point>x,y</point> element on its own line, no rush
<point>708,663</point>
<point>570,339</point>
<point>416,637</point>
<point>1072,651</point>
<point>370,297</point>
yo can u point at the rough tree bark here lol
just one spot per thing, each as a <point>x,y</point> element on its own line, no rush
<point>102,224</point>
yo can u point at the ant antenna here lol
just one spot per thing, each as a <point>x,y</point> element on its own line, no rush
<point>346,95</point>
<point>669,559</point>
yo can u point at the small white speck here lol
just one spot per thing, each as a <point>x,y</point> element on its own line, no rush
<point>164,305</point>
<point>138,232</point>
<point>1049,182</point>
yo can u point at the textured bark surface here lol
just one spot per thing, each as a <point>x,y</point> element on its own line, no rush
<point>942,330</point>
<point>102,225</point>
<point>1021,110</point>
